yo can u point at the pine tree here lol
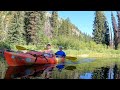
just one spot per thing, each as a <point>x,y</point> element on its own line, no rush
<point>31,26</point>
<point>62,28</point>
<point>5,18</point>
<point>118,15</point>
<point>107,34</point>
<point>65,28</point>
<point>54,23</point>
<point>115,29</point>
<point>68,26</point>
<point>16,30</point>
<point>40,28</point>
<point>99,28</point>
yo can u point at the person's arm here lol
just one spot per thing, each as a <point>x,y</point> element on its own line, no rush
<point>56,53</point>
<point>42,53</point>
<point>52,52</point>
<point>64,54</point>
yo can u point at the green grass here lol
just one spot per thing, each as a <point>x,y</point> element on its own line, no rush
<point>99,52</point>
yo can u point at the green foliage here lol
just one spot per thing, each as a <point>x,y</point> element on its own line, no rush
<point>28,28</point>
<point>65,28</point>
<point>15,29</point>
<point>67,42</point>
<point>31,26</point>
<point>54,23</point>
<point>4,45</point>
<point>99,28</point>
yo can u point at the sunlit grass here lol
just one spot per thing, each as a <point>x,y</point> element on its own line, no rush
<point>100,53</point>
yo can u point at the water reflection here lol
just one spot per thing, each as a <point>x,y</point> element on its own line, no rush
<point>50,70</point>
<point>101,73</point>
<point>60,67</point>
<point>22,72</point>
<point>66,70</point>
<point>85,60</point>
<point>70,67</point>
<point>108,72</point>
<point>86,76</point>
<point>31,72</point>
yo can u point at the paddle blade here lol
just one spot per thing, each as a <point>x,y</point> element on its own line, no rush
<point>70,67</point>
<point>45,48</point>
<point>71,58</point>
<point>20,47</point>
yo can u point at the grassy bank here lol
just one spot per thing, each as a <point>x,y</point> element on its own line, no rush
<point>107,53</point>
<point>94,50</point>
<point>99,52</point>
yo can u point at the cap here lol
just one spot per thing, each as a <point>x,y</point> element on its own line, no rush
<point>48,44</point>
<point>60,47</point>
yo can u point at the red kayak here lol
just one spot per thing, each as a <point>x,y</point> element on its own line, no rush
<point>30,58</point>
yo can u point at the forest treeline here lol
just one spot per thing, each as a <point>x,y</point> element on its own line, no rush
<point>102,32</point>
<point>37,28</point>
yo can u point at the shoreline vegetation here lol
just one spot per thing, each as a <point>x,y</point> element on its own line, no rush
<point>19,28</point>
<point>97,52</point>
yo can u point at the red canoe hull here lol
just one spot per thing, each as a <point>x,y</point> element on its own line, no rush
<point>20,59</point>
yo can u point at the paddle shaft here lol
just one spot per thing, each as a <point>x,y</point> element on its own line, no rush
<point>23,48</point>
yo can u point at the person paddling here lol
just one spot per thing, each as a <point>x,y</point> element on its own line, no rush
<point>48,52</point>
<point>60,53</point>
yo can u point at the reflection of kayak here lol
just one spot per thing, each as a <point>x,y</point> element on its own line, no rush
<point>30,58</point>
<point>26,71</point>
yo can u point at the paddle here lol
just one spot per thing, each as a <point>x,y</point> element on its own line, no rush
<point>23,48</point>
<point>70,57</point>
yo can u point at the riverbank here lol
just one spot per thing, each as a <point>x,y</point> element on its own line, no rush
<point>99,52</point>
<point>108,53</point>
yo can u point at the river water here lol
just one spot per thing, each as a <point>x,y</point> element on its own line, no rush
<point>85,68</point>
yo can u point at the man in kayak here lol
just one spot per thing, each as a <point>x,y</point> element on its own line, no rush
<point>48,52</point>
<point>60,53</point>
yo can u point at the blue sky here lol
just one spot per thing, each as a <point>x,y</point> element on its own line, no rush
<point>84,19</point>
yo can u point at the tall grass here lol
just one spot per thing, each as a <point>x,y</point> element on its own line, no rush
<point>73,47</point>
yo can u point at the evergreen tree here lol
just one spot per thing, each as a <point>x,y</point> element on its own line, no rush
<point>118,15</point>
<point>68,26</point>
<point>54,23</point>
<point>65,28</point>
<point>40,29</point>
<point>107,34</point>
<point>62,28</point>
<point>115,29</point>
<point>5,18</point>
<point>16,30</point>
<point>99,28</point>
<point>31,26</point>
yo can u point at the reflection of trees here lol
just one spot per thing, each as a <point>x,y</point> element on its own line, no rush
<point>101,73</point>
<point>65,75</point>
<point>2,69</point>
<point>107,73</point>
<point>115,71</point>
